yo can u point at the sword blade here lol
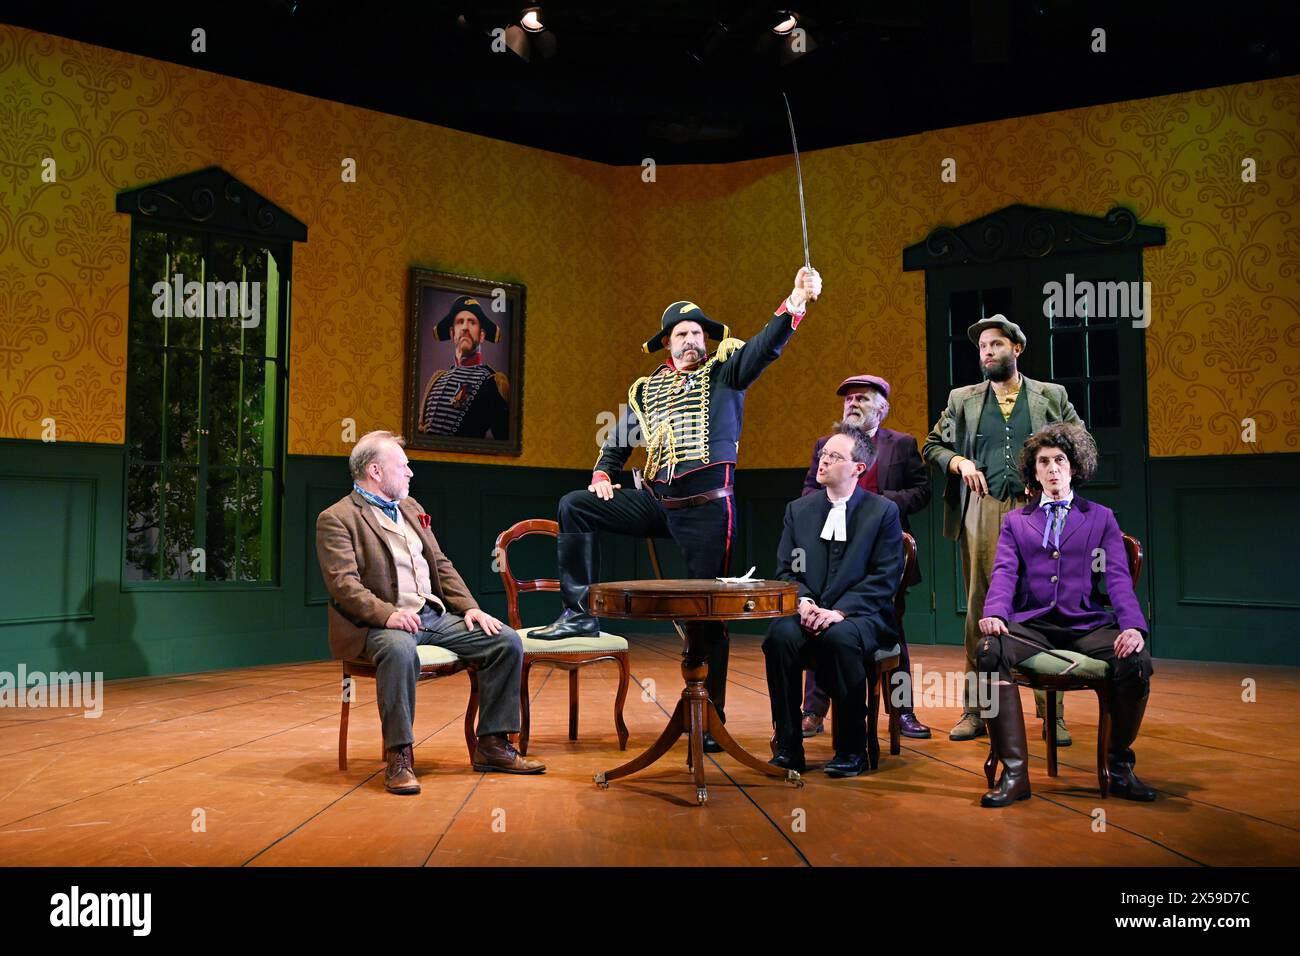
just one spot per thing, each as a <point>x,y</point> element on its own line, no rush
<point>798,169</point>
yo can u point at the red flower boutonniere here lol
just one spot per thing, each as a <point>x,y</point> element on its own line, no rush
<point>425,521</point>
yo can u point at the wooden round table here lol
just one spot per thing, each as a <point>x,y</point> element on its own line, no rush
<point>688,601</point>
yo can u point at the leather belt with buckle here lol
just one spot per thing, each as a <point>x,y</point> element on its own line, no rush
<point>693,501</point>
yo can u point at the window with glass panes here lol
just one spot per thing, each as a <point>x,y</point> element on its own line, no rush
<point>965,308</point>
<point>205,408</point>
<point>1086,359</point>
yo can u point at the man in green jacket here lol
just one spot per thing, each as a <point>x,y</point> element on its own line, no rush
<point>976,444</point>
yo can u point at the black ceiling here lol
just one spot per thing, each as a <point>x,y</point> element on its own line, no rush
<point>700,80</point>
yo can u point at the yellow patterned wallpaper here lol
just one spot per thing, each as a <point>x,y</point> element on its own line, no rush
<point>424,196</point>
<point>601,251</point>
<point>1224,342</point>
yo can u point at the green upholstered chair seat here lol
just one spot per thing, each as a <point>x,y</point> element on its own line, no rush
<point>432,656</point>
<point>573,645</point>
<point>1045,665</point>
<point>429,655</point>
<point>885,653</point>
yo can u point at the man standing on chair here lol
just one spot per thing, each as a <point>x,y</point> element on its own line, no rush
<point>899,474</point>
<point>844,548</point>
<point>1045,592</point>
<point>392,589</point>
<point>976,443</point>
<point>689,412</point>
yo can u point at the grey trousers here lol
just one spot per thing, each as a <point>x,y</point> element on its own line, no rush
<point>497,658</point>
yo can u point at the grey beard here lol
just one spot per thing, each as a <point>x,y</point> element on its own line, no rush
<point>1000,372</point>
<point>864,420</point>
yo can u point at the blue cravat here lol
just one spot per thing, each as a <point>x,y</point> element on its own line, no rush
<point>390,507</point>
<point>1056,512</point>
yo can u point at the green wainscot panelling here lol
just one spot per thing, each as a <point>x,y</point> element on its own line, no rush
<point>49,528</point>
<point>1219,557</point>
<point>1222,558</point>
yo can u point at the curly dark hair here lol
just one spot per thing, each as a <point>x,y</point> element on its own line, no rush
<point>1074,440</point>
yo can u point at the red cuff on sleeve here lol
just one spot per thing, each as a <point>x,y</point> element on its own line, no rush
<point>600,476</point>
<point>795,317</point>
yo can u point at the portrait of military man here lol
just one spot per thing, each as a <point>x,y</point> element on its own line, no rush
<point>468,399</point>
<point>464,364</point>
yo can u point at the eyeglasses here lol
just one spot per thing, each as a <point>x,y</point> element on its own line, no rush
<point>832,457</point>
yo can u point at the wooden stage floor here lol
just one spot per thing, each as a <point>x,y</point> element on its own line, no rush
<point>255,751</point>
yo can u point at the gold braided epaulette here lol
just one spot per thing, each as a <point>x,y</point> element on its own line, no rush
<point>727,347</point>
<point>632,399</point>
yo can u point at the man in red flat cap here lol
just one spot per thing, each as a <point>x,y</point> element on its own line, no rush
<point>899,474</point>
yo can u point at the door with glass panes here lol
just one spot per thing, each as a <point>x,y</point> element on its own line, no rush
<point>1098,356</point>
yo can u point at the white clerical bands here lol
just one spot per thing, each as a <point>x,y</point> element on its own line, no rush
<point>834,529</point>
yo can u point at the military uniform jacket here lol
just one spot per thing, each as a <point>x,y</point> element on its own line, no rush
<point>691,420</point>
<point>468,402</point>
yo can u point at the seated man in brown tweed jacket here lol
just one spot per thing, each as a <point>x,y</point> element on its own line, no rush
<point>392,589</point>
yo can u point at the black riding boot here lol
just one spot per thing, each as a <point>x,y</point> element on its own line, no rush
<point>1007,734</point>
<point>577,556</point>
<point>1125,719</point>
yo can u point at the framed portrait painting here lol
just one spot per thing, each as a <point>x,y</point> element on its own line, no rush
<point>465,364</point>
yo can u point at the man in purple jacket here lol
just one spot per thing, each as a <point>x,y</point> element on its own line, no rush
<point>1053,554</point>
<point>899,474</point>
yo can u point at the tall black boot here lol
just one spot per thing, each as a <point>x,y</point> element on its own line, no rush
<point>577,555</point>
<point>1125,719</point>
<point>1007,734</point>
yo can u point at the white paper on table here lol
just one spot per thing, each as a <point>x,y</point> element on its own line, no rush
<point>747,579</point>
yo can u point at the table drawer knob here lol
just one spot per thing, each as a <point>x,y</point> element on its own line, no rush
<point>749,605</point>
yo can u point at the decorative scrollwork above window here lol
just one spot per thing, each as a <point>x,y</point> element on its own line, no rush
<point>1029,232</point>
<point>213,199</point>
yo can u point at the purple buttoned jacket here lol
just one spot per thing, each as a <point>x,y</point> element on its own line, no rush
<point>1029,580</point>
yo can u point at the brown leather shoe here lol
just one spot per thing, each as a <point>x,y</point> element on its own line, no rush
<point>812,725</point>
<point>400,777</point>
<point>969,727</point>
<point>494,752</point>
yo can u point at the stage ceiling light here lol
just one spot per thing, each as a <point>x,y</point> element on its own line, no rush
<point>530,18</point>
<point>530,46</point>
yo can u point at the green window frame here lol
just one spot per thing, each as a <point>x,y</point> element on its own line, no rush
<point>206,408</point>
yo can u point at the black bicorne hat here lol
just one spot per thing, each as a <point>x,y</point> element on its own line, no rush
<point>467,303</point>
<point>684,311</point>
